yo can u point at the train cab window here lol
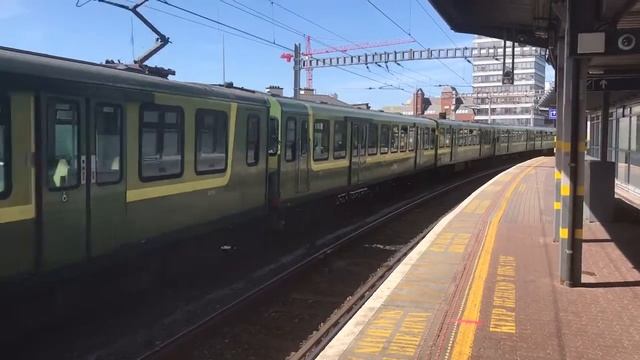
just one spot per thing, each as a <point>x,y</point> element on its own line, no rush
<point>5,148</point>
<point>384,139</point>
<point>211,141</point>
<point>339,139</point>
<point>395,138</point>
<point>108,161</point>
<point>321,133</point>
<point>290,140</point>
<point>403,138</point>
<point>274,138</point>
<point>372,139</point>
<point>161,142</point>
<point>411,141</point>
<point>253,139</point>
<point>63,161</point>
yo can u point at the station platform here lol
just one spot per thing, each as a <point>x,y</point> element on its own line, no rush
<point>484,284</point>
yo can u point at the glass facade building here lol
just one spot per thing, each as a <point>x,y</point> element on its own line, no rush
<point>496,103</point>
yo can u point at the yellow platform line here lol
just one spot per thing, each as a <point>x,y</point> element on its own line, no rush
<point>463,344</point>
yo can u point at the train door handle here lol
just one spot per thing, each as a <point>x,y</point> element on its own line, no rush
<point>83,169</point>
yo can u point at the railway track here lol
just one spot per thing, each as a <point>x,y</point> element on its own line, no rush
<point>176,346</point>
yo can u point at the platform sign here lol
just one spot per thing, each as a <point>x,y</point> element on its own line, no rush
<point>613,84</point>
<point>553,113</point>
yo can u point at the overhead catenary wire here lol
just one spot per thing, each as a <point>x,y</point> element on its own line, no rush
<point>223,24</point>
<point>311,21</point>
<point>416,40</point>
<point>246,35</point>
<point>217,28</point>
<point>251,11</point>
<point>374,80</point>
<point>436,22</point>
<point>294,13</point>
<point>422,6</point>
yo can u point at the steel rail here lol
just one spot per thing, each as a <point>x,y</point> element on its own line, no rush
<point>320,338</point>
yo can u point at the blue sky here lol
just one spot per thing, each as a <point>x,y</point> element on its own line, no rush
<point>96,32</point>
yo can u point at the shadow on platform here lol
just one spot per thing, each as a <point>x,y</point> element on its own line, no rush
<point>611,251</point>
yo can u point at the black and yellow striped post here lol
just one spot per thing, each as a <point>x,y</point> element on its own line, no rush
<point>571,145</point>
<point>557,174</point>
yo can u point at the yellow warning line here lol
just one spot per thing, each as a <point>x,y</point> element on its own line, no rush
<point>463,344</point>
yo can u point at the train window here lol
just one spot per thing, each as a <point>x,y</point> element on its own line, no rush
<point>395,135</point>
<point>432,137</point>
<point>372,139</point>
<point>274,138</point>
<point>253,139</point>
<point>403,138</point>
<point>63,162</point>
<point>339,139</point>
<point>411,141</point>
<point>424,136</point>
<point>358,139</point>
<point>432,144</point>
<point>108,161</point>
<point>304,138</point>
<point>290,140</point>
<point>5,148</point>
<point>441,135</point>
<point>447,137</point>
<point>384,139</point>
<point>363,140</point>
<point>161,142</point>
<point>321,133</point>
<point>211,141</point>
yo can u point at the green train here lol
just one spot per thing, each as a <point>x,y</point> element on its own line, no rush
<point>93,158</point>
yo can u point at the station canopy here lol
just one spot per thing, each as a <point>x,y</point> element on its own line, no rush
<point>540,22</point>
<point>530,22</point>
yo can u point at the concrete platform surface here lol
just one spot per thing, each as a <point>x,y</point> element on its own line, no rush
<point>484,284</point>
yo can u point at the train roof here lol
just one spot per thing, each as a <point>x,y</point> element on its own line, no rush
<point>347,111</point>
<point>28,63</point>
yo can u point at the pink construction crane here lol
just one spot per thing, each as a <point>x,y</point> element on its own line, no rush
<point>342,48</point>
